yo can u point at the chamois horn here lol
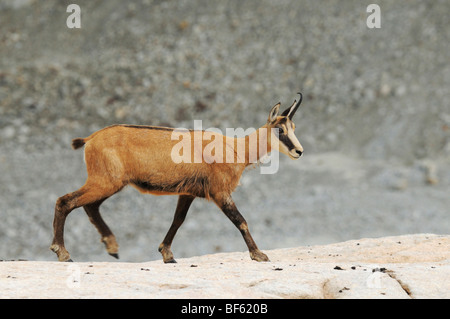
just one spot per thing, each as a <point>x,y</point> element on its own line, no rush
<point>291,111</point>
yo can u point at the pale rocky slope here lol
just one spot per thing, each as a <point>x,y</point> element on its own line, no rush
<point>409,266</point>
<point>374,122</point>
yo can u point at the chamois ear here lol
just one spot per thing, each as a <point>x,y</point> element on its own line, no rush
<point>273,113</point>
<point>289,112</point>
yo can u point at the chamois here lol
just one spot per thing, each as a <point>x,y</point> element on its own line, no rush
<point>140,156</point>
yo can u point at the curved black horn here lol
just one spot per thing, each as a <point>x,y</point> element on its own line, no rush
<point>291,111</point>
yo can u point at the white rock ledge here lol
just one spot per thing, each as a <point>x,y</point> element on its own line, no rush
<point>410,266</point>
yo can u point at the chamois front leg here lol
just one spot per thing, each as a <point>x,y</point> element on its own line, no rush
<point>228,207</point>
<point>184,202</point>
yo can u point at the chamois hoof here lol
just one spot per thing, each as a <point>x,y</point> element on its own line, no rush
<point>115,255</point>
<point>69,260</point>
<point>171,261</point>
<point>61,252</point>
<point>259,256</point>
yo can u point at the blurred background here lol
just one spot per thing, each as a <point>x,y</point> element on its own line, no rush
<point>374,122</point>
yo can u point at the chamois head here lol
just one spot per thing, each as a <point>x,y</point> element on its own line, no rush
<point>287,141</point>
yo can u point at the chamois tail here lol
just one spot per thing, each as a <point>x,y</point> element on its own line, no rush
<point>77,143</point>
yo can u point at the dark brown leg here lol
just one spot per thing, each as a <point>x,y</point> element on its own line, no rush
<point>184,202</point>
<point>64,205</point>
<point>88,194</point>
<point>230,210</point>
<point>107,237</point>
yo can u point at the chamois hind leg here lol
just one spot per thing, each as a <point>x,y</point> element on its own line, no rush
<point>184,202</point>
<point>88,194</point>
<point>228,207</point>
<point>107,237</point>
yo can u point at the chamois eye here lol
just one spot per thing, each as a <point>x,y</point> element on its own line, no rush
<point>282,130</point>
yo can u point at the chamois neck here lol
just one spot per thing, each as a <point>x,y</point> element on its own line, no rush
<point>257,145</point>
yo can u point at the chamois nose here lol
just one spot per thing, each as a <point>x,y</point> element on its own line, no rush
<point>299,152</point>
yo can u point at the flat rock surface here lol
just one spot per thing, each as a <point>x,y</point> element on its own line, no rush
<point>409,266</point>
<point>374,121</point>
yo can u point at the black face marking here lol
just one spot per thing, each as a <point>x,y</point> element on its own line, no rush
<point>286,141</point>
<point>282,134</point>
<point>282,128</point>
